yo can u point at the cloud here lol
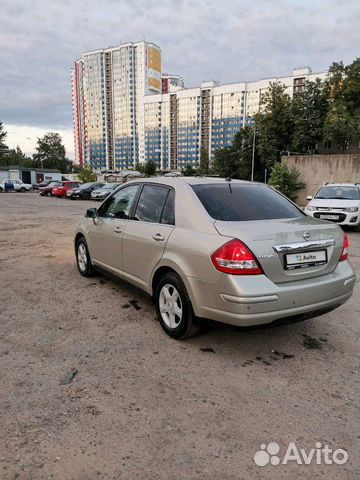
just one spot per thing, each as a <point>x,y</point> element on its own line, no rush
<point>228,40</point>
<point>26,137</point>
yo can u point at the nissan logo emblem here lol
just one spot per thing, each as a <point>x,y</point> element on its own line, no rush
<point>307,235</point>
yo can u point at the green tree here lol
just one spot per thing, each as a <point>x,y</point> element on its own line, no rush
<point>236,160</point>
<point>188,171</point>
<point>3,146</point>
<point>342,123</point>
<point>204,161</point>
<point>139,167</point>
<point>86,174</point>
<point>286,180</point>
<point>149,168</point>
<point>50,153</point>
<point>17,157</point>
<point>309,108</point>
<point>274,124</point>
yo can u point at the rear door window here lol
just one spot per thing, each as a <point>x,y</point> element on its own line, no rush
<point>168,215</point>
<point>151,203</point>
<point>235,202</point>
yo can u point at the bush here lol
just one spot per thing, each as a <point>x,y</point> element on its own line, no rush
<point>86,174</point>
<point>286,180</point>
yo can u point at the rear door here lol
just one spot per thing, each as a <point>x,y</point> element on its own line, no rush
<point>106,231</point>
<point>147,232</point>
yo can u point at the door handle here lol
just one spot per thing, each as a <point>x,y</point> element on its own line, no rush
<point>118,230</point>
<point>158,237</point>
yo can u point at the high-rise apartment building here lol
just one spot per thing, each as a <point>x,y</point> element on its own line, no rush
<point>108,88</point>
<point>125,111</point>
<point>181,123</point>
<point>168,81</point>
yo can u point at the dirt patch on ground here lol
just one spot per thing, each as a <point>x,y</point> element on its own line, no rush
<point>141,405</point>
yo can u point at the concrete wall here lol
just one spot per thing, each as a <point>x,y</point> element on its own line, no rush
<point>315,170</point>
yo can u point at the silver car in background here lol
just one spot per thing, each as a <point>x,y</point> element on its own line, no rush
<point>101,193</point>
<point>232,251</point>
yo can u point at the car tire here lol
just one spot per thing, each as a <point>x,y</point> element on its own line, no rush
<point>86,196</point>
<point>83,259</point>
<point>22,190</point>
<point>1,189</point>
<point>174,309</point>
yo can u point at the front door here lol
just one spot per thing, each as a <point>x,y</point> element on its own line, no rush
<point>147,232</point>
<point>106,231</point>
<point>9,185</point>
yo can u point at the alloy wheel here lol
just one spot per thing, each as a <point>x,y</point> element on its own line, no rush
<point>170,305</point>
<point>82,257</point>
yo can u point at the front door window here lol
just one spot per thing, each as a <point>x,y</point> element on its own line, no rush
<point>119,205</point>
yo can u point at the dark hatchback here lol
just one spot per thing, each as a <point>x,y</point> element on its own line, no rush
<point>84,191</point>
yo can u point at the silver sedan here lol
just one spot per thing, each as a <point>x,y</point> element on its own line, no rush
<point>232,251</point>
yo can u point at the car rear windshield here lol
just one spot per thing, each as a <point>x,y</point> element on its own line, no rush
<point>234,202</point>
<point>338,192</point>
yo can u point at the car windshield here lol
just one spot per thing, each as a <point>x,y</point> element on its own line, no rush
<point>84,186</point>
<point>110,186</point>
<point>338,192</point>
<point>236,202</point>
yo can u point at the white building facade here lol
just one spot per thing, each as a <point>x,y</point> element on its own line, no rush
<point>125,111</point>
<point>178,125</point>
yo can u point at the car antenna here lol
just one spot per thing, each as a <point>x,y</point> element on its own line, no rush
<point>228,179</point>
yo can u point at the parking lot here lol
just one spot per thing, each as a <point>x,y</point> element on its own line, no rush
<point>139,404</point>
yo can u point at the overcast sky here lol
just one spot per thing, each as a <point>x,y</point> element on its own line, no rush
<point>227,40</point>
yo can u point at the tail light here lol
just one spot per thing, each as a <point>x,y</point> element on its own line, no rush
<point>235,258</point>
<point>345,251</point>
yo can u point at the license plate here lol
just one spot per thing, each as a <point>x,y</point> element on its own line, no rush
<point>329,217</point>
<point>305,259</point>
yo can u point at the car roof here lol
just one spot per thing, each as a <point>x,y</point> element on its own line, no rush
<point>174,181</point>
<point>341,185</point>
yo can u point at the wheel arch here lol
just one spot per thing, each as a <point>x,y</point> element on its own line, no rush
<point>170,267</point>
<point>158,273</point>
<point>77,238</point>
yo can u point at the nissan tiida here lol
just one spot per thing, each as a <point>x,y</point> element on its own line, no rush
<point>233,251</point>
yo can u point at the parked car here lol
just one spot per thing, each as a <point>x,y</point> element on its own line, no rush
<point>336,202</point>
<point>232,251</point>
<point>83,192</point>
<point>46,190</point>
<point>8,185</point>
<point>61,189</point>
<point>104,191</point>
<point>36,186</point>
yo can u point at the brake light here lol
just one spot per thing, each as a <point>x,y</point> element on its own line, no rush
<point>235,258</point>
<point>345,251</point>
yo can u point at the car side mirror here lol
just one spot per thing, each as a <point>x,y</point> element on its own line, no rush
<point>91,213</point>
<point>309,197</point>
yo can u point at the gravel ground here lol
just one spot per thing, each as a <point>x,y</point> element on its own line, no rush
<point>142,405</point>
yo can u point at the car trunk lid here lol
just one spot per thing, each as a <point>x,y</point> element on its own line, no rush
<point>273,241</point>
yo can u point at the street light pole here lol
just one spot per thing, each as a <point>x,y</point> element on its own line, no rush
<point>253,155</point>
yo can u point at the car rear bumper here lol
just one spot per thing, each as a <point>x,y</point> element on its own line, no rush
<point>255,300</point>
